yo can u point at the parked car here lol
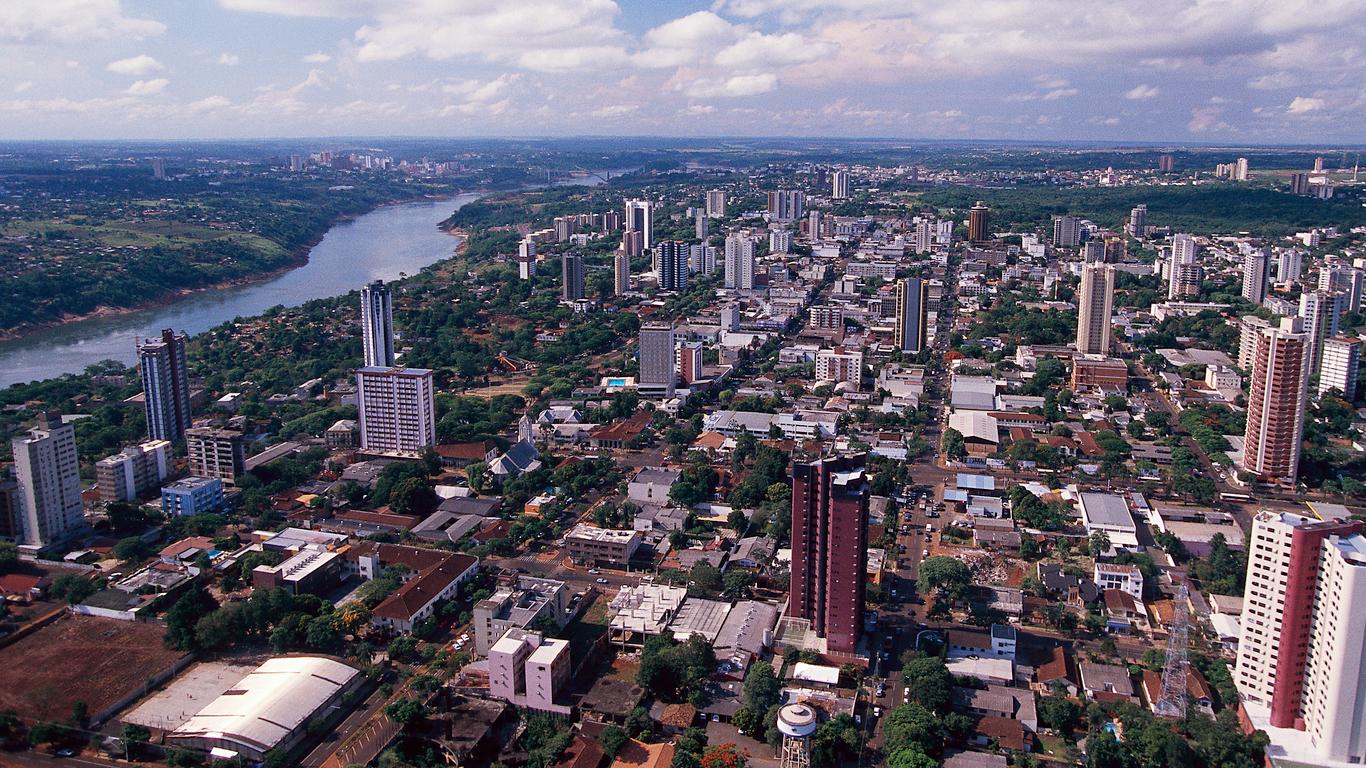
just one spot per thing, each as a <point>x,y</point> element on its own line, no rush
<point>601,581</point>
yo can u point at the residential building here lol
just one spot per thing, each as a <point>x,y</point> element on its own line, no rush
<point>923,239</point>
<point>526,603</point>
<point>571,275</point>
<point>1249,331</point>
<point>716,203</point>
<point>1066,231</point>
<point>640,217</point>
<point>397,412</point>
<point>165,386</point>
<point>779,241</point>
<point>656,366</point>
<point>1289,265</point>
<point>1256,274</point>
<point>134,471</point>
<point>840,364</point>
<point>785,205</point>
<point>1126,578</point>
<point>377,323</point>
<point>216,453</point>
<point>1099,371</point>
<point>839,185</point>
<point>979,223</point>
<point>1321,312</point>
<point>590,545</point>
<point>1276,402</point>
<point>827,316</point>
<point>192,496</point>
<point>48,471</point>
<point>1184,275</point>
<point>1341,359</point>
<point>830,548</point>
<point>528,669</point>
<point>910,333</point>
<point>526,259</point>
<point>621,273</point>
<point>671,259</point>
<point>1095,306</point>
<point>1138,221</point>
<point>688,359</point>
<point>1332,706</point>
<point>739,262</point>
<point>1348,281</point>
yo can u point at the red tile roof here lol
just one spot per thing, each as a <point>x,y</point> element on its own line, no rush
<point>436,569</point>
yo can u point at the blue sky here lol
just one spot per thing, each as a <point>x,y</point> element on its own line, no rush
<point>1207,71</point>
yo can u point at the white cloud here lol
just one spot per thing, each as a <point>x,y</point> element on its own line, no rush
<point>737,86</point>
<point>70,21</point>
<point>23,87</point>
<point>1207,119</point>
<point>1142,92</point>
<point>135,66</point>
<point>209,104</point>
<point>229,59</point>
<point>697,110</point>
<point>1273,81</point>
<point>615,110</point>
<point>317,58</point>
<point>1302,104</point>
<point>1059,93</point>
<point>148,87</point>
<point>1104,120</point>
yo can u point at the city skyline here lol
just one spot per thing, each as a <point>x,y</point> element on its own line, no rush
<point>1251,72</point>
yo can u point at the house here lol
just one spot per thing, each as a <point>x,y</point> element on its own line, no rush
<point>638,754</point>
<point>997,701</point>
<point>1126,578</point>
<point>1073,588</point>
<point>999,642</point>
<point>432,575</point>
<point>751,552</point>
<point>581,753</point>
<point>673,719</point>
<point>1122,611</point>
<point>1106,682</point>
<point>971,759</point>
<point>651,485</point>
<point>457,455</point>
<point>1057,674</point>
<point>23,587</point>
<point>1198,690</point>
<point>620,434</point>
<point>1003,732</point>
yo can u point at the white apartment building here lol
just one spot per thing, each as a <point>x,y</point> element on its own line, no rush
<point>529,670</point>
<point>840,364</point>
<point>739,259</point>
<point>397,412</point>
<point>1334,701</point>
<point>377,324</point>
<point>1341,358</point>
<point>49,475</point>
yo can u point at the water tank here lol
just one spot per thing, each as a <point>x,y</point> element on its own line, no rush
<point>797,720</point>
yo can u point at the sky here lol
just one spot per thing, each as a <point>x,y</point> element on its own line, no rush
<point>1180,71</point>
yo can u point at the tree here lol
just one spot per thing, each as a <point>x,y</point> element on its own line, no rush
<point>9,556</point>
<point>946,574</point>
<point>912,726</point>
<point>954,446</point>
<point>762,689</point>
<point>737,583</point>
<point>613,739</point>
<point>412,496</point>
<point>929,681</point>
<point>911,757</point>
<point>184,615</point>
<point>134,738</point>
<point>1097,544</point>
<point>836,742</point>
<point>405,711</point>
<point>1058,713</point>
<point>477,475</point>
<point>132,549</point>
<point>72,588</point>
<point>723,756</point>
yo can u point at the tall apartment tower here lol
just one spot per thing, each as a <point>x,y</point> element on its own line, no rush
<point>216,453</point>
<point>1240,169</point>
<point>979,223</point>
<point>1183,273</point>
<point>1166,163</point>
<point>839,185</point>
<point>1320,311</point>
<point>656,349</point>
<point>640,217</point>
<point>1332,707</point>
<point>1138,221</point>
<point>132,472</point>
<point>923,239</point>
<point>1349,281</point>
<point>621,273</point>
<point>700,224</point>
<point>1256,274</point>
<point>739,263</point>
<point>1289,266</point>
<point>1066,231</point>
<point>526,259</point>
<point>1094,308</point>
<point>912,316</point>
<point>397,411</point>
<point>1338,369</point>
<point>1278,387</point>
<point>377,324</point>
<point>779,241</point>
<point>48,471</point>
<point>785,205</point>
<point>1278,603</point>
<point>165,386</point>
<point>830,548</point>
<point>716,204</point>
<point>688,361</point>
<point>571,273</point>
<point>672,259</point>
<point>1249,332</point>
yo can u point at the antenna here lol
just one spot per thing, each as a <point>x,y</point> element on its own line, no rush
<point>1173,701</point>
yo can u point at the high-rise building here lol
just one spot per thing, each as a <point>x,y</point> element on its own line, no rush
<point>611,221</point>
<point>621,273</point>
<point>839,185</point>
<point>979,223</point>
<point>377,323</point>
<point>1299,183</point>
<point>218,453</point>
<point>730,317</point>
<point>1093,252</point>
<point>1279,599</point>
<point>656,374</point>
<point>564,227</point>
<point>1184,275</point>
<point>672,259</point>
<point>700,224</point>
<point>571,275</point>
<point>1094,307</point>
<point>1166,163</point>
<point>912,316</point>
<point>1066,231</point>
<point>158,169</point>
<point>1344,279</point>
<point>529,670</point>
<point>48,471</point>
<point>397,411</point>
<point>785,205</point>
<point>1256,274</point>
<point>640,217</point>
<point>830,548</point>
<point>1289,266</point>
<point>1240,169</point>
<point>716,204</point>
<point>633,243</point>
<point>688,361</point>
<point>923,239</point>
<point>526,259</point>
<point>1332,706</point>
<point>1249,332</point>
<point>1338,369</point>
<point>814,221</point>
<point>1278,386</point>
<point>165,386</point>
<point>827,316</point>
<point>1138,221</point>
<point>779,241</point>
<point>739,262</point>
<point>841,364</point>
<point>132,472</point>
<point>1321,311</point>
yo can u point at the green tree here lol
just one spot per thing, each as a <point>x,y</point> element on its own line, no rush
<point>9,556</point>
<point>947,574</point>
<point>762,689</point>
<point>613,739</point>
<point>1059,713</point>
<point>132,550</point>
<point>72,588</point>
<point>929,681</point>
<point>912,726</point>
<point>405,711</point>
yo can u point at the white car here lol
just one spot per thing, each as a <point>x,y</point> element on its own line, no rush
<point>602,581</point>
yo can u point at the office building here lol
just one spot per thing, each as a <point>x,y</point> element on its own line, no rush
<point>216,453</point>
<point>48,471</point>
<point>591,545</point>
<point>397,413</point>
<point>716,204</point>
<point>529,670</point>
<point>621,273</point>
<point>165,386</point>
<point>779,241</point>
<point>134,471</point>
<point>1338,370</point>
<point>1066,231</point>
<point>640,217</point>
<point>688,361</point>
<point>526,259</point>
<point>839,185</point>
<point>1256,274</point>
<point>912,316</point>
<point>840,364</point>
<point>1094,307</point>
<point>656,375</point>
<point>923,238</point>
<point>1289,266</point>
<point>1320,311</point>
<point>1138,221</point>
<point>1276,402</point>
<point>1184,275</point>
<point>192,496</point>
<point>739,263</point>
<point>571,274</point>
<point>785,205</point>
<point>377,324</point>
<point>671,258</point>
<point>830,548</point>
<point>979,223</point>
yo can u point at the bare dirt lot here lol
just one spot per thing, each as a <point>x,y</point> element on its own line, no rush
<point>79,658</point>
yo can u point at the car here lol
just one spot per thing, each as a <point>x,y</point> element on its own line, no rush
<point>594,571</point>
<point>601,581</point>
<point>877,711</point>
<point>924,553</point>
<point>65,752</point>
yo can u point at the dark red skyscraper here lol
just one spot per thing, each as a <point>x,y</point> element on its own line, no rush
<point>830,548</point>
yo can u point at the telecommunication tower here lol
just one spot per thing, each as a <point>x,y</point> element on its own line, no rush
<point>1173,701</point>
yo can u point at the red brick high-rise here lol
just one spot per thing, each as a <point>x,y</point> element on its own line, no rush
<point>830,548</point>
<point>1276,403</point>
